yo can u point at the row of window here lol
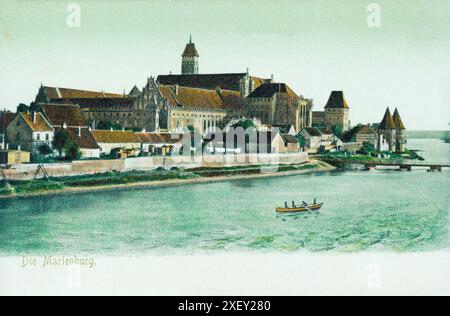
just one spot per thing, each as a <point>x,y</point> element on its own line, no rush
<point>40,137</point>
<point>211,116</point>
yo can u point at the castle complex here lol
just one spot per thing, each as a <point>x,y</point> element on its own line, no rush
<point>177,103</point>
<point>190,100</point>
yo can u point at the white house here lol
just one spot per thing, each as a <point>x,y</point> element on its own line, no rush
<point>312,138</point>
<point>109,140</point>
<point>30,132</point>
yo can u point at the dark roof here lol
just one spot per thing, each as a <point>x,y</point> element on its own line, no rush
<point>86,141</point>
<point>289,139</point>
<point>268,90</point>
<point>337,101</point>
<point>54,93</point>
<point>398,120</point>
<point>209,81</point>
<point>59,114</point>
<point>135,92</point>
<point>388,121</point>
<point>283,128</point>
<point>232,100</point>
<point>190,51</point>
<point>5,119</point>
<point>103,102</point>
<point>312,131</point>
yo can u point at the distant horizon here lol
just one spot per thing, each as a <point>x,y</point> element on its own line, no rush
<point>313,46</point>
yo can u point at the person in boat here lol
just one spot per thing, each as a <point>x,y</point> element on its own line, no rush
<point>286,204</point>
<point>293,204</point>
<point>315,201</point>
<point>305,204</point>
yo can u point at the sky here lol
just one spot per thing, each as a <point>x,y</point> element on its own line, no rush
<point>401,58</point>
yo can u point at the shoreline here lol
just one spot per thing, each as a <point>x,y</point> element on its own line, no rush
<point>323,167</point>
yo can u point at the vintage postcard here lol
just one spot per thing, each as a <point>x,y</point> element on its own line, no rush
<point>225,147</point>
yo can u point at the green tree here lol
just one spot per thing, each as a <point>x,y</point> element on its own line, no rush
<point>22,108</point>
<point>60,141</point>
<point>245,124</point>
<point>45,150</point>
<point>72,151</point>
<point>301,141</point>
<point>107,125</point>
<point>337,130</point>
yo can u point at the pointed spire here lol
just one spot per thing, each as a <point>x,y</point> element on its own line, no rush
<point>398,120</point>
<point>190,38</point>
<point>388,121</point>
<point>336,101</point>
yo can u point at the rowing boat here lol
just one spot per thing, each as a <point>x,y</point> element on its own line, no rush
<point>308,208</point>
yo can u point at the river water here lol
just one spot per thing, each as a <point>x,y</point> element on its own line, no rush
<point>377,210</point>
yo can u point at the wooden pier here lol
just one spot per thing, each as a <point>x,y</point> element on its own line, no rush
<point>374,164</point>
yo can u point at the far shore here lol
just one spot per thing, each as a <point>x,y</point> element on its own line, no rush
<point>321,167</point>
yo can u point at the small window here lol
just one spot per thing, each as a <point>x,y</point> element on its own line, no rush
<point>47,137</point>
<point>38,137</point>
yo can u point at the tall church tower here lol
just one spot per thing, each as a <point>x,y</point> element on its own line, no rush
<point>190,57</point>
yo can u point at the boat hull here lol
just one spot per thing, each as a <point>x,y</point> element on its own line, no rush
<point>313,207</point>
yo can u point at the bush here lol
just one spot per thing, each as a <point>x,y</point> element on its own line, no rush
<point>45,150</point>
<point>72,152</point>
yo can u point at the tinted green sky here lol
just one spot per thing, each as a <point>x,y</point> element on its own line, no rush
<point>314,46</point>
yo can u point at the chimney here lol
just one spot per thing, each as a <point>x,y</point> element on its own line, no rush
<point>79,131</point>
<point>34,117</point>
<point>272,78</point>
<point>7,146</point>
<point>123,129</point>
<point>19,148</point>
<point>176,89</point>
<point>64,125</point>
<point>143,130</point>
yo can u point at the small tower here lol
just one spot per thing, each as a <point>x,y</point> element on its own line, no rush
<point>190,58</point>
<point>337,111</point>
<point>400,132</point>
<point>387,132</point>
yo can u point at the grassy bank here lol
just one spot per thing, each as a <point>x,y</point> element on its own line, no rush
<point>22,188</point>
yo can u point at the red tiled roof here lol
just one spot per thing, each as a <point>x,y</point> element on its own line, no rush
<point>159,138</point>
<point>366,130</point>
<point>54,93</point>
<point>59,114</point>
<point>86,141</point>
<point>192,97</point>
<point>232,100</point>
